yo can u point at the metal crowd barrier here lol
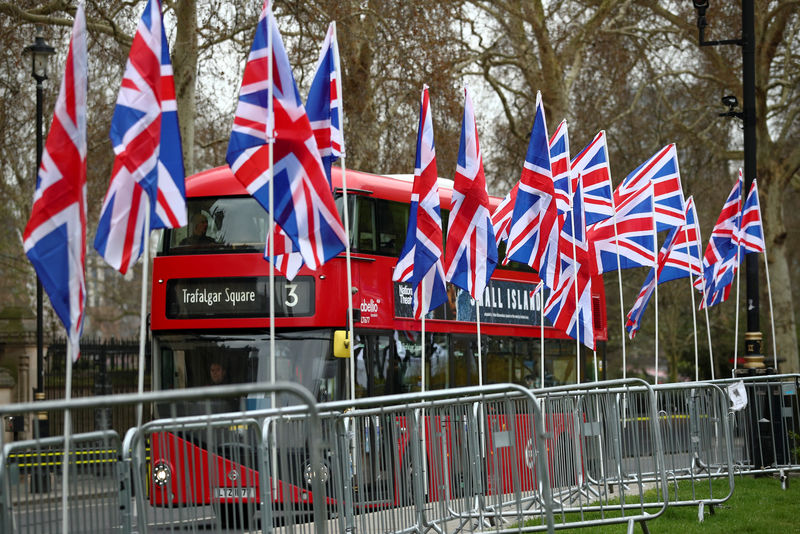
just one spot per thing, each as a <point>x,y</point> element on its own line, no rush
<point>697,443</point>
<point>458,460</point>
<point>31,484</point>
<point>499,458</point>
<point>191,468</point>
<point>766,432</point>
<point>605,453</point>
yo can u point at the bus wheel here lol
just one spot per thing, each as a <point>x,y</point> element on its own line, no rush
<point>233,516</point>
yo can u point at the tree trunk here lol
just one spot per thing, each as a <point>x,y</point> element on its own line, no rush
<point>184,67</point>
<point>780,279</point>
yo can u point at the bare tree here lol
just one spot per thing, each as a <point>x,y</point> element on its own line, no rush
<point>630,67</point>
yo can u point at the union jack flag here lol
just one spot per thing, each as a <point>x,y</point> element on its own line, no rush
<point>721,258</point>
<point>530,235</point>
<point>569,306</point>
<point>324,109</point>
<point>634,316</point>
<point>148,169</point>
<point>471,254</point>
<point>55,236</point>
<point>662,171</point>
<point>592,165</point>
<point>287,260</point>
<point>501,218</point>
<point>630,233</point>
<point>560,167</point>
<point>324,103</point>
<point>684,258</point>
<point>751,235</point>
<point>420,261</point>
<point>303,203</point>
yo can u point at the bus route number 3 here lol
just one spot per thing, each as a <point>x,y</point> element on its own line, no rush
<point>291,296</point>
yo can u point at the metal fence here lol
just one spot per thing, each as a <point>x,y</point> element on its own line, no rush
<point>459,460</point>
<point>32,484</point>
<point>605,453</point>
<point>766,432</point>
<point>183,470</point>
<point>499,458</point>
<point>695,429</point>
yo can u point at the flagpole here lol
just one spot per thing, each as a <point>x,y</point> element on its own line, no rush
<point>703,287</point>
<point>736,321</point>
<point>619,265</point>
<point>621,300</point>
<point>143,310</point>
<point>578,320</point>
<point>348,267</point>
<point>423,305</point>
<point>271,241</point>
<point>480,356</point>
<point>771,312</point>
<point>348,261</point>
<point>540,294</point>
<point>655,277</point>
<point>694,313</point>
<point>737,239</point>
<point>575,282</point>
<point>67,435</point>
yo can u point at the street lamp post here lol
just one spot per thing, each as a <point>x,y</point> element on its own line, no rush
<point>40,53</point>
<point>753,357</point>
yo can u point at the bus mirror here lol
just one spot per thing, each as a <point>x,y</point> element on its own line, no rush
<point>341,344</point>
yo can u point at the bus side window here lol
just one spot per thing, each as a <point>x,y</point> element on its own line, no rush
<point>365,225</point>
<point>392,223</point>
<point>179,369</point>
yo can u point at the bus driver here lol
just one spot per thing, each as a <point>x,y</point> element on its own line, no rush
<point>199,226</point>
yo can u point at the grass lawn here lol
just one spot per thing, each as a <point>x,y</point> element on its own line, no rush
<point>758,505</point>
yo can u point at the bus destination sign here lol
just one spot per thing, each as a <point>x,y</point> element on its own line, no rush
<point>207,298</point>
<point>503,302</point>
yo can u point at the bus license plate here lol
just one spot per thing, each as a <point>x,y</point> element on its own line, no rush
<point>235,493</point>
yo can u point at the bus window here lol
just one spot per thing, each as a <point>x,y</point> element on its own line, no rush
<point>392,224</point>
<point>508,360</point>
<point>351,208</point>
<point>230,222</point>
<point>302,357</point>
<point>365,225</point>
<point>437,369</point>
<point>464,362</point>
<point>375,353</point>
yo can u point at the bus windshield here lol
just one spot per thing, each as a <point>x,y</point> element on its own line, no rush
<point>304,357</point>
<point>220,224</point>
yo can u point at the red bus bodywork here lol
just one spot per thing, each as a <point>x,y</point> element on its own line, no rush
<point>371,274</point>
<point>374,300</point>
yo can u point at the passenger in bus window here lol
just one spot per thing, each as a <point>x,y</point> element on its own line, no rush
<point>530,381</point>
<point>199,227</point>
<point>217,373</point>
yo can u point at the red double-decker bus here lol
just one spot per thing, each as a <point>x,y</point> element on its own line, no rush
<point>210,308</point>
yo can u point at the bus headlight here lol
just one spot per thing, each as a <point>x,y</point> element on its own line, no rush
<point>161,474</point>
<point>309,473</point>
